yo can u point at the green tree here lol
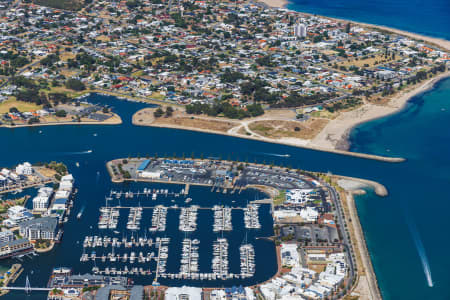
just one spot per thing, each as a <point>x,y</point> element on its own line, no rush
<point>75,84</point>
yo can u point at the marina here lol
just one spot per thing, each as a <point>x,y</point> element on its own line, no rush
<point>92,191</point>
<point>131,244</point>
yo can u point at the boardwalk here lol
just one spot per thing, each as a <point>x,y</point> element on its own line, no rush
<point>169,207</point>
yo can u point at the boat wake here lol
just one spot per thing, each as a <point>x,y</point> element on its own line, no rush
<point>80,214</point>
<point>77,152</point>
<point>421,251</point>
<point>273,154</point>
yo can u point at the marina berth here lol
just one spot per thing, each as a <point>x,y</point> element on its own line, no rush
<point>222,219</point>
<point>106,241</point>
<point>134,218</point>
<point>220,258</point>
<point>189,259</point>
<point>109,217</point>
<point>161,263</point>
<point>251,216</point>
<point>247,260</point>
<point>159,218</point>
<point>188,219</point>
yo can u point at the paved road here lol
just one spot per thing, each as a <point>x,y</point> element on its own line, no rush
<point>346,239</point>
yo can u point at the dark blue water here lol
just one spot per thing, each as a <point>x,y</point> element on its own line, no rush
<point>407,231</point>
<point>430,17</point>
<point>413,215</point>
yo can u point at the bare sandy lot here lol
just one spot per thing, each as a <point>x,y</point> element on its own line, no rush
<point>292,129</point>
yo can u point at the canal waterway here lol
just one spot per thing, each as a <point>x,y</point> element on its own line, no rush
<point>405,231</point>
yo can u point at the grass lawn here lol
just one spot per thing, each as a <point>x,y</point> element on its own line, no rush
<point>20,105</point>
<point>278,200</point>
<point>261,129</point>
<point>157,96</point>
<point>64,90</point>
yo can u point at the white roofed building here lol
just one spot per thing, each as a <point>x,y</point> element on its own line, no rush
<point>41,201</point>
<point>183,293</point>
<point>24,169</point>
<point>298,196</point>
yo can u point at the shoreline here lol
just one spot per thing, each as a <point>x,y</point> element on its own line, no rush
<point>276,3</point>
<point>274,141</point>
<point>370,276</point>
<point>440,42</point>
<point>380,189</point>
<point>334,137</point>
<point>337,132</point>
<point>117,121</point>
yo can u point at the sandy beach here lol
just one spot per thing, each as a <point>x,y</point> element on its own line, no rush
<point>138,120</point>
<point>276,3</point>
<point>367,286</point>
<point>335,134</point>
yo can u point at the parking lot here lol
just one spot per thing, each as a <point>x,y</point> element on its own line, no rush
<point>311,233</point>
